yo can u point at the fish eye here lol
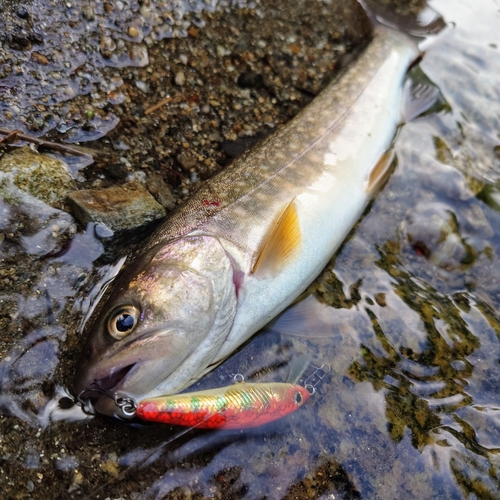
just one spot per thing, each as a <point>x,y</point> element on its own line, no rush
<point>297,398</point>
<point>122,322</point>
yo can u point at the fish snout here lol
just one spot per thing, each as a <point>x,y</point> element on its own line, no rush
<point>99,393</point>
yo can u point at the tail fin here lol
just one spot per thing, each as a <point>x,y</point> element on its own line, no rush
<point>424,26</point>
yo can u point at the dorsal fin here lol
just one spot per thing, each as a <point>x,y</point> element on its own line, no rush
<point>280,245</point>
<point>380,172</point>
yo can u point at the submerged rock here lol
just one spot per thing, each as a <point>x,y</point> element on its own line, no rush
<point>433,231</point>
<point>37,228</point>
<point>161,191</point>
<point>33,187</point>
<point>120,208</point>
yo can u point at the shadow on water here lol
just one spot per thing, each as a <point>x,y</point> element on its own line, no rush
<point>406,315</point>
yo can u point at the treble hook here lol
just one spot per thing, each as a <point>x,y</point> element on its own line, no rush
<point>126,404</point>
<point>85,403</point>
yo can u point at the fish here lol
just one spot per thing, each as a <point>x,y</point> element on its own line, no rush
<point>240,406</point>
<point>250,241</point>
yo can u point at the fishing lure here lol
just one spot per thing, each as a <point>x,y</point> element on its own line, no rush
<point>239,406</point>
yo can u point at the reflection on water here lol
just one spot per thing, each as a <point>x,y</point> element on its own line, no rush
<point>406,315</point>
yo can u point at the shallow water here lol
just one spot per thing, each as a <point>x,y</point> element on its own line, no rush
<point>405,316</point>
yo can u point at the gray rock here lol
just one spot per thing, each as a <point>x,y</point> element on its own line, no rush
<point>36,227</point>
<point>33,187</point>
<point>433,230</point>
<point>119,208</point>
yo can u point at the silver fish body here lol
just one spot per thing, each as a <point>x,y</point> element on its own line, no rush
<point>252,239</point>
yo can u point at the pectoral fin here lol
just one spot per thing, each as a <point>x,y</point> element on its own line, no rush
<point>380,172</point>
<point>281,244</point>
<point>420,95</point>
<point>309,318</point>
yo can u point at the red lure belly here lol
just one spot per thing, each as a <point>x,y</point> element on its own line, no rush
<point>239,406</point>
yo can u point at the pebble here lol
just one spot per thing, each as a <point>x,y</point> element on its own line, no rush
<point>161,191</point>
<point>111,468</point>
<point>142,86</point>
<point>221,51</point>
<point>139,56</point>
<point>133,32</point>
<point>119,208</point>
<point>22,13</point>
<point>111,465</point>
<point>102,232</point>
<point>180,78</point>
<point>39,58</point>
<point>431,230</point>
<point>250,80</point>
<point>77,480</point>
<point>186,161</point>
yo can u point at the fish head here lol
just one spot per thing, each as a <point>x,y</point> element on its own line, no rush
<point>162,325</point>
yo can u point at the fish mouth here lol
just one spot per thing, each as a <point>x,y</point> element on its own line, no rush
<point>99,384</point>
<point>105,386</point>
<point>116,378</point>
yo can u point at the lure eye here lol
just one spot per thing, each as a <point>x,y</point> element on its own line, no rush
<point>123,322</point>
<point>298,399</point>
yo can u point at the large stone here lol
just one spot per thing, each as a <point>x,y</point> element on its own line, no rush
<point>26,172</point>
<point>119,208</point>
